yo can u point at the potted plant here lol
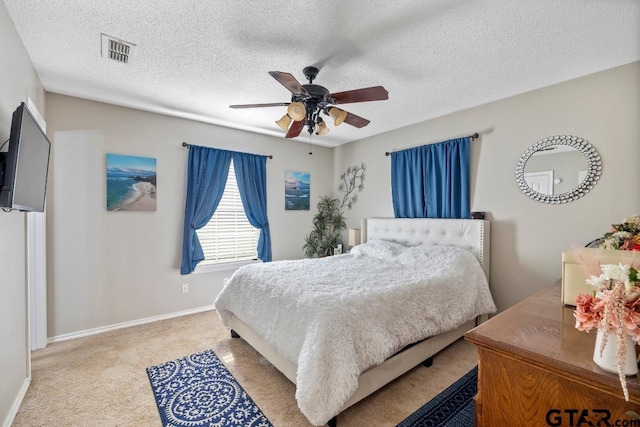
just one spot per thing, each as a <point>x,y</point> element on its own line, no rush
<point>329,222</point>
<point>328,225</point>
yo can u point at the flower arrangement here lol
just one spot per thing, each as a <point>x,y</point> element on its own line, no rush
<point>625,236</point>
<point>614,307</point>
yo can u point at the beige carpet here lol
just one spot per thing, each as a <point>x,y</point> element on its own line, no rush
<point>101,380</point>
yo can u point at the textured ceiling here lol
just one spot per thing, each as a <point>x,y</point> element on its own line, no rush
<point>194,58</point>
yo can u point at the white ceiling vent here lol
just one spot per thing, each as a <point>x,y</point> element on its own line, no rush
<point>117,50</point>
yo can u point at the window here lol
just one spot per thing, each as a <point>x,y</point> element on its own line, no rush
<point>228,236</point>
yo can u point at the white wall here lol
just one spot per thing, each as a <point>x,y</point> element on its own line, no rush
<point>18,80</point>
<point>527,237</point>
<point>105,268</point>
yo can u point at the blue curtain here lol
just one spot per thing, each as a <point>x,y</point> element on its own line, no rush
<point>251,175</point>
<point>207,171</point>
<point>432,181</point>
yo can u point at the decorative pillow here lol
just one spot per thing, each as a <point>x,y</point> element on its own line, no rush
<point>380,249</point>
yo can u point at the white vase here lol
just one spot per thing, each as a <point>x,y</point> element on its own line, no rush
<point>609,359</point>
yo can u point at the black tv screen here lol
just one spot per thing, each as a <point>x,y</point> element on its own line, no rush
<point>26,164</point>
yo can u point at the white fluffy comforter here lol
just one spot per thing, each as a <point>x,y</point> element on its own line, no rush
<point>337,316</point>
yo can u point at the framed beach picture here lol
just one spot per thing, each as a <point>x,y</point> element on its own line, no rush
<point>131,183</point>
<point>296,191</point>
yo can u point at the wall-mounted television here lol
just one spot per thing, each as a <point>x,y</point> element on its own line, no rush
<point>25,164</point>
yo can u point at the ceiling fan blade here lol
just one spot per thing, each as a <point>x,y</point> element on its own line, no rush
<point>273,104</point>
<point>375,93</point>
<point>290,82</point>
<point>356,121</point>
<point>295,129</point>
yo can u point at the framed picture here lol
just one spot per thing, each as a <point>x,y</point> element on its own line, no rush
<point>296,191</point>
<point>131,183</point>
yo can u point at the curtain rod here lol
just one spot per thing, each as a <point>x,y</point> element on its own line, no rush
<point>474,136</point>
<point>184,144</point>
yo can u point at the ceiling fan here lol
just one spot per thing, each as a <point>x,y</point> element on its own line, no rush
<point>309,100</point>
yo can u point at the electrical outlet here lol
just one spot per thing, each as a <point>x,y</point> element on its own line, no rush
<point>185,288</point>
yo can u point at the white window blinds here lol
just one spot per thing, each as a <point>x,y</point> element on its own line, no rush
<point>228,236</point>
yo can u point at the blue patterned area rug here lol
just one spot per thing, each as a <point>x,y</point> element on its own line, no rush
<point>454,407</point>
<point>198,391</point>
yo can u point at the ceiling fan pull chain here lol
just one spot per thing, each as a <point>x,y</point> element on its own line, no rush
<point>310,153</point>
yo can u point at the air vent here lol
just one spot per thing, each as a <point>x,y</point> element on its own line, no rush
<point>117,50</point>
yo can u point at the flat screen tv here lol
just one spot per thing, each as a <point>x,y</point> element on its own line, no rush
<point>24,166</point>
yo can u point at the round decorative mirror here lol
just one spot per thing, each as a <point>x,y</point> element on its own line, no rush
<point>558,169</point>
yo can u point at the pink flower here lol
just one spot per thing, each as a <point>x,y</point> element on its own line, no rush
<point>587,313</point>
<point>632,319</point>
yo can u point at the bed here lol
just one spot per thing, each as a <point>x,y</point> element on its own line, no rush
<point>333,327</point>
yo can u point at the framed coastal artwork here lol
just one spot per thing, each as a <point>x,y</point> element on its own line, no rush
<point>296,191</point>
<point>131,183</point>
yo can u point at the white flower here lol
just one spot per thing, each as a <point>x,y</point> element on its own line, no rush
<point>623,234</point>
<point>616,272</point>
<point>633,220</point>
<point>596,281</point>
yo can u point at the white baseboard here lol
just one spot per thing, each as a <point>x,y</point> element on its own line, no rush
<point>87,332</point>
<point>16,403</point>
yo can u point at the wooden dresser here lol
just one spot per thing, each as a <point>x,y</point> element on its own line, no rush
<point>536,369</point>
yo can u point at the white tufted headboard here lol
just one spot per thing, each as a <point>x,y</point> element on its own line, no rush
<point>471,234</point>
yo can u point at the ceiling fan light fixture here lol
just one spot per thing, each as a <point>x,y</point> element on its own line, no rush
<point>284,122</point>
<point>337,115</point>
<point>296,111</point>
<point>310,100</point>
<point>322,128</point>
